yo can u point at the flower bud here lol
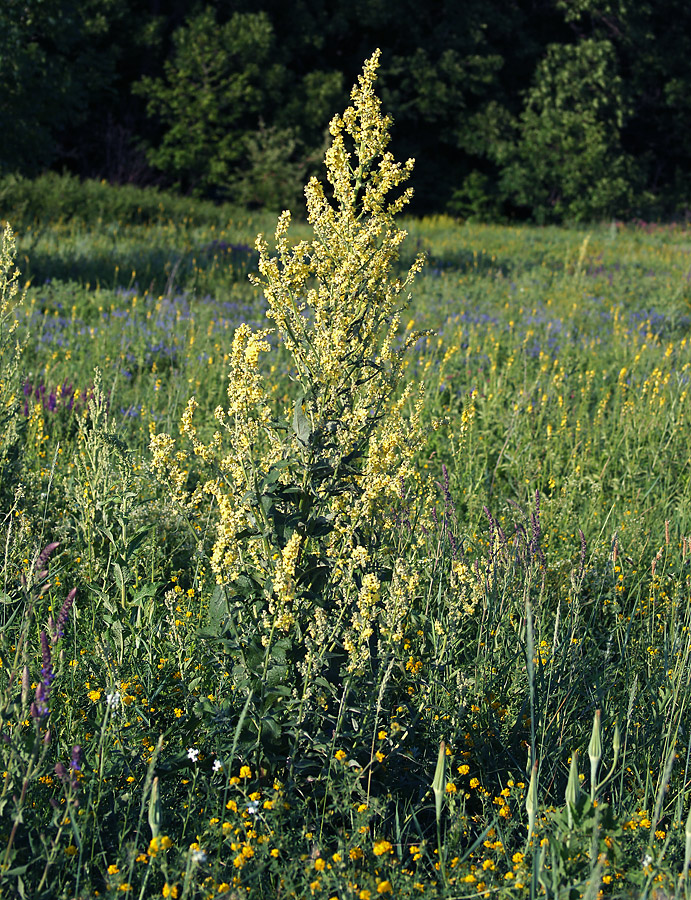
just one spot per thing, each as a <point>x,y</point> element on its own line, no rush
<point>531,800</point>
<point>438,785</point>
<point>595,752</point>
<point>573,788</point>
<point>26,685</point>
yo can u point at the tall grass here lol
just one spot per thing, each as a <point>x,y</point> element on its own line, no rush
<point>525,735</point>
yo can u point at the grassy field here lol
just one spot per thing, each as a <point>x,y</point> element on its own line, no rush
<point>513,720</point>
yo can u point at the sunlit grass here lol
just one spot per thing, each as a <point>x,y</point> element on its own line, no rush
<point>554,582</point>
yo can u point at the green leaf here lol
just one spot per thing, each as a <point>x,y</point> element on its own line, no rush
<point>301,424</point>
<point>218,610</point>
<point>135,543</point>
<point>270,728</point>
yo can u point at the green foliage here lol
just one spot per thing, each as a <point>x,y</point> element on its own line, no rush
<point>271,178</point>
<point>580,112</point>
<point>552,667</point>
<point>50,64</point>
<point>11,424</point>
<point>568,161</point>
<point>301,491</point>
<point>215,88</point>
<point>53,198</point>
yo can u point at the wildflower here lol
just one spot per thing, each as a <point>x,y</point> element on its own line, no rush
<point>335,303</point>
<point>42,559</point>
<point>159,843</point>
<point>192,754</point>
<point>340,755</point>
<point>245,772</point>
<point>197,855</point>
<point>384,887</point>
<point>71,850</point>
<point>47,675</point>
<point>217,766</point>
<point>62,616</point>
<point>113,869</point>
<point>319,864</point>
<point>381,847</point>
<point>170,890</point>
<point>113,701</point>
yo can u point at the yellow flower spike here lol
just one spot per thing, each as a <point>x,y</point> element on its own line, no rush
<point>335,303</point>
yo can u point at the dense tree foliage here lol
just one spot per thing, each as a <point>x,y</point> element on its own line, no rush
<point>542,109</point>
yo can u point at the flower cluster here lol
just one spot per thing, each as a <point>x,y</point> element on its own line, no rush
<point>301,493</point>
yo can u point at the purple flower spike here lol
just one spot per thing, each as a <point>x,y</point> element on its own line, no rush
<point>47,670</point>
<point>64,613</point>
<point>75,766</point>
<point>39,708</point>
<point>45,554</point>
<point>76,760</point>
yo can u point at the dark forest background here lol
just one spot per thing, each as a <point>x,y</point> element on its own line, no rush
<point>542,110</point>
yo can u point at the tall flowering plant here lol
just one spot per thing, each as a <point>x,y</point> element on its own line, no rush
<point>303,539</point>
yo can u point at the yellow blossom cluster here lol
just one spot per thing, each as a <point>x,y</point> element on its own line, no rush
<point>305,489</point>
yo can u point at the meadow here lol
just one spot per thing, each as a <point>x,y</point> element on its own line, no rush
<point>440,649</point>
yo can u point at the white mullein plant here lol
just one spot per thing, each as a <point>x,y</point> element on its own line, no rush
<point>301,494</point>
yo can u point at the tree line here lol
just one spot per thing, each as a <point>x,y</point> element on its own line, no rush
<point>543,110</point>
